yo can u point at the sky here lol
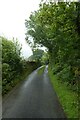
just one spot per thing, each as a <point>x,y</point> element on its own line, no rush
<point>12,18</point>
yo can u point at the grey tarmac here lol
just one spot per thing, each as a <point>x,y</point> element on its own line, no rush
<point>34,97</point>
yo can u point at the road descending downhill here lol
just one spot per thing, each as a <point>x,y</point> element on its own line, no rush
<point>33,98</point>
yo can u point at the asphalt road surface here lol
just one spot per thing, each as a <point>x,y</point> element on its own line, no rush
<point>33,98</point>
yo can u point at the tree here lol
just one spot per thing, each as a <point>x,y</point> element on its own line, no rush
<point>37,55</point>
<point>54,26</point>
<point>45,58</point>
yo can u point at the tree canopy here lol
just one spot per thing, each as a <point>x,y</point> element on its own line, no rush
<point>57,27</point>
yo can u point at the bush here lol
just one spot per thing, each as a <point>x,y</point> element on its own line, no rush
<point>12,64</point>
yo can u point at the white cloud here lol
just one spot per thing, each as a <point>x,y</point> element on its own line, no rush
<point>12,17</point>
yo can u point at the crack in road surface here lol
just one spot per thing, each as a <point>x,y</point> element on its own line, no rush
<point>33,98</point>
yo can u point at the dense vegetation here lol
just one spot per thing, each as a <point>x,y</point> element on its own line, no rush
<point>67,97</point>
<point>37,55</point>
<point>14,67</point>
<point>57,27</point>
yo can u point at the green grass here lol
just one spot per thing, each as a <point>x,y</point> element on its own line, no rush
<point>67,97</point>
<point>41,70</point>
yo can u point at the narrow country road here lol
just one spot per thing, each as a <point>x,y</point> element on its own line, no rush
<point>33,98</point>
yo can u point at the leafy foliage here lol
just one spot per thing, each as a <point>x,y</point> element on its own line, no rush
<point>14,67</point>
<point>37,55</point>
<point>56,26</point>
<point>45,58</point>
<point>12,64</point>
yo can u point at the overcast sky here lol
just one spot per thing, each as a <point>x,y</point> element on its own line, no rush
<point>12,18</point>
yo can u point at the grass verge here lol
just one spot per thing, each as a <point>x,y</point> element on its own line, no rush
<point>67,97</point>
<point>41,70</point>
